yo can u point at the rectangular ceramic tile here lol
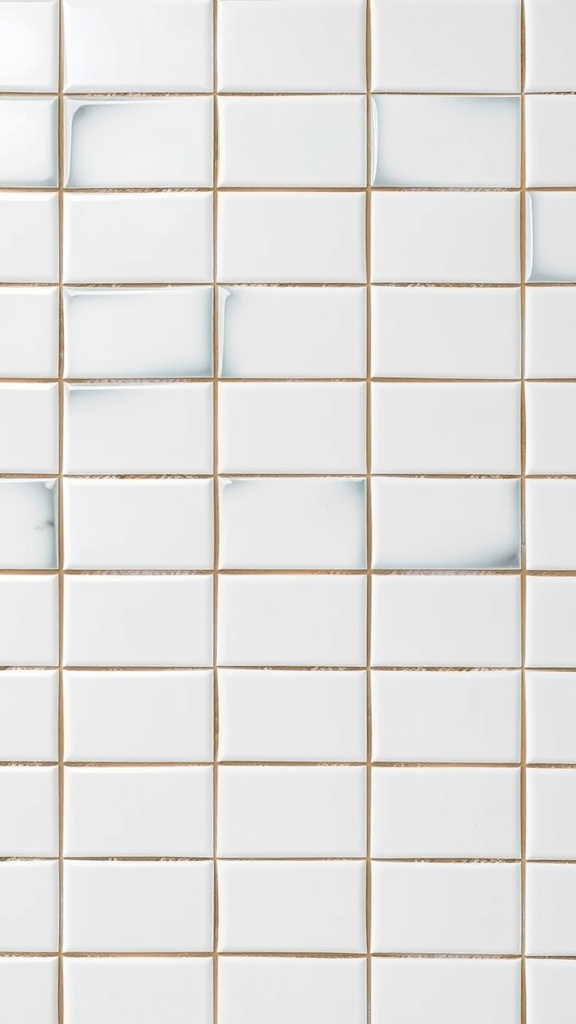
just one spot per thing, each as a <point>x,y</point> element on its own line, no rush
<point>550,32</point>
<point>292,428</point>
<point>550,226</point>
<point>430,46</point>
<point>287,812</point>
<point>445,332</point>
<point>25,216</point>
<point>446,141</point>
<point>550,610</point>
<point>292,332</point>
<point>329,55</point>
<point>291,236</point>
<point>143,621</point>
<point>550,508</point>
<point>551,990</point>
<point>455,237</point>
<point>445,620</point>
<point>550,324</point>
<point>29,901</point>
<point>29,620</point>
<point>28,141</point>
<point>446,812</point>
<point>439,990</point>
<point>550,900</point>
<point>292,140</point>
<point>28,812</point>
<point>550,425</point>
<point>29,46</point>
<point>114,332</point>
<point>291,524</point>
<point>139,143</point>
<point>138,45</point>
<point>446,908</point>
<point>445,524</point>
<point>138,716</point>
<point>29,428</point>
<point>137,524</point>
<point>550,150</point>
<point>292,620</point>
<point>28,332</point>
<point>282,715</point>
<point>29,715</point>
<point>154,428</point>
<point>291,906</point>
<point>150,237</point>
<point>551,834</point>
<point>137,907</point>
<point>137,812</point>
<point>446,716</point>
<point>275,990</point>
<point>446,428</point>
<point>28,524</point>
<point>30,988</point>
<point>133,988</point>
<point>550,711</point>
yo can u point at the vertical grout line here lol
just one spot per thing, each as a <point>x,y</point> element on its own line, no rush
<point>368,222</point>
<point>523,1005</point>
<point>216,510</point>
<point>60,522</point>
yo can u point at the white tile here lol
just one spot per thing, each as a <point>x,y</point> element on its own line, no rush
<point>30,989</point>
<point>291,236</point>
<point>29,428</point>
<point>550,716</point>
<point>29,906</point>
<point>29,620</point>
<point>138,716</point>
<point>291,716</point>
<point>154,428</point>
<point>138,620</point>
<point>445,524</point>
<point>292,332</point>
<point>29,332</point>
<point>291,907</point>
<point>291,524</point>
<point>28,141</point>
<point>448,237</point>
<point>292,620</point>
<point>28,811</point>
<point>141,907</point>
<point>292,428</point>
<point>29,46</point>
<point>292,140</point>
<point>445,908</point>
<point>114,333</point>
<point>291,812</point>
<point>164,237</point>
<point>137,524</point>
<point>550,611</point>
<point>139,143</point>
<point>550,146</point>
<point>445,332</point>
<point>443,991</point>
<point>129,989</point>
<point>550,426</point>
<point>550,327</point>
<point>550,227</point>
<point>28,530</point>
<point>439,621</point>
<point>550,826</point>
<point>280,990</point>
<point>550,38</point>
<point>28,234</point>
<point>138,45</point>
<point>446,428</point>
<point>550,909</point>
<point>550,512</point>
<point>430,46</point>
<point>446,812</point>
<point>550,991</point>
<point>446,716</point>
<point>29,715</point>
<point>137,812</point>
<point>447,141</point>
<point>327,51</point>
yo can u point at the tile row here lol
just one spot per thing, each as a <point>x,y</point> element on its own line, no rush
<point>288,237</point>
<point>284,141</point>
<point>438,620</point>
<point>168,47</point>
